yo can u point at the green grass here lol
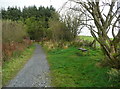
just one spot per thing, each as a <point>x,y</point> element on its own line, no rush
<point>69,69</point>
<point>11,68</point>
<point>88,38</point>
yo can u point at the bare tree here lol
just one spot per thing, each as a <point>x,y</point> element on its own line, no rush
<point>94,10</point>
<point>72,22</point>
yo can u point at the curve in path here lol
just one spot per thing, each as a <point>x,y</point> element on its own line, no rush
<point>35,72</point>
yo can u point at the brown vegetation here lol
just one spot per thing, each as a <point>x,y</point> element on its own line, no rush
<point>9,48</point>
<point>13,39</point>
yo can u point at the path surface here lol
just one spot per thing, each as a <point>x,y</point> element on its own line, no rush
<point>34,73</point>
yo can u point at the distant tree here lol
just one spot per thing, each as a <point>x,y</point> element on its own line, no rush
<point>12,13</point>
<point>58,29</point>
<point>30,11</point>
<point>4,14</point>
<point>35,28</point>
<point>72,21</point>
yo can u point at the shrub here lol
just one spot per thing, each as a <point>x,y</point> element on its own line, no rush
<point>78,44</point>
<point>114,76</point>
<point>58,30</point>
<point>12,31</point>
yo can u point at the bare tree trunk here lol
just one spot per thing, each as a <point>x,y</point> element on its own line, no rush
<point>112,56</point>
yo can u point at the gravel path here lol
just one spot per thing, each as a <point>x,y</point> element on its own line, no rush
<point>34,73</point>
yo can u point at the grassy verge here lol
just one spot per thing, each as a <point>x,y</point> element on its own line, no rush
<point>11,68</point>
<point>70,68</point>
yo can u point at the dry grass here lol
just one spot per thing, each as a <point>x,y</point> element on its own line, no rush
<point>9,48</point>
<point>53,45</point>
<point>12,31</point>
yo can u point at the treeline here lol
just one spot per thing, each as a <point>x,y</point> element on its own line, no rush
<point>15,13</point>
